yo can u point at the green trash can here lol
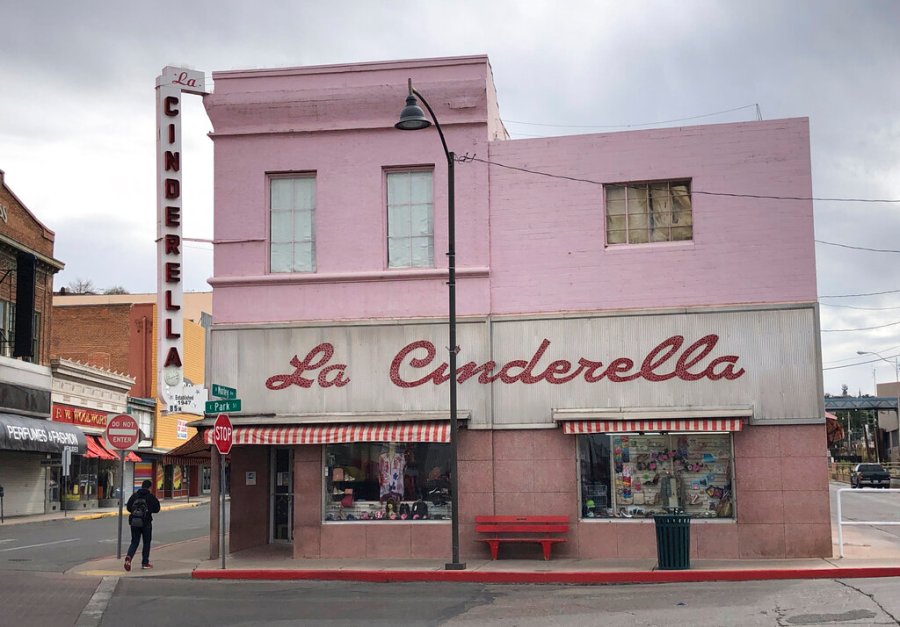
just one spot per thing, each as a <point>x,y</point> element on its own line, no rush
<point>673,541</point>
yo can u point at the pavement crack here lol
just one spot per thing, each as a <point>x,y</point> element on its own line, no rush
<point>872,597</point>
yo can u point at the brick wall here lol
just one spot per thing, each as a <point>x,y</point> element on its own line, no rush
<point>94,334</point>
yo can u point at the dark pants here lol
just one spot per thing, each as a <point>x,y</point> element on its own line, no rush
<point>145,532</point>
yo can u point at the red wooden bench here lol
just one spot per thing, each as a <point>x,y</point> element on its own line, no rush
<point>544,530</point>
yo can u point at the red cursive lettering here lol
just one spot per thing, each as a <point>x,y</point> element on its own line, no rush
<point>332,376</point>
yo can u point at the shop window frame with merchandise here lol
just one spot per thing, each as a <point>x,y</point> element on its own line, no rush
<point>355,484</point>
<point>637,475</point>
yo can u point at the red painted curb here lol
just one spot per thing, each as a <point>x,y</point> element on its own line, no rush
<point>474,576</point>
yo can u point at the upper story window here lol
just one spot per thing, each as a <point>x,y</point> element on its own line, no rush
<point>410,213</point>
<point>641,213</point>
<point>292,208</point>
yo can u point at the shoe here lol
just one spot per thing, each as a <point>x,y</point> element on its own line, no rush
<point>146,566</point>
<point>127,564</point>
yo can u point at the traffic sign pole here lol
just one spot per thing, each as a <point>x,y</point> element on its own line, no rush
<point>222,508</point>
<point>121,496</point>
<point>223,439</point>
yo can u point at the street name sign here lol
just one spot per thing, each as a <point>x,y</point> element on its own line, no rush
<point>216,407</point>
<point>220,391</point>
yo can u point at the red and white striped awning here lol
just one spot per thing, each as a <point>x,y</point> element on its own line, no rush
<point>341,433</point>
<point>633,426</point>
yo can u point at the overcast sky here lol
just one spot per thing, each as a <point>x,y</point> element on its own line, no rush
<point>77,116</point>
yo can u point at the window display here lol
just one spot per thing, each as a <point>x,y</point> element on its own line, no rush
<point>387,481</point>
<point>634,476</point>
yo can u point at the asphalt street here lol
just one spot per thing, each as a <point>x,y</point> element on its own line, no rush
<point>33,590</point>
<point>58,545</point>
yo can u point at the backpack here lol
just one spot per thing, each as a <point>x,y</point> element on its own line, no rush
<point>139,512</point>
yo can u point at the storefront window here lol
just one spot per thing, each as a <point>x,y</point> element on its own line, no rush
<point>635,476</point>
<point>82,483</point>
<point>387,481</point>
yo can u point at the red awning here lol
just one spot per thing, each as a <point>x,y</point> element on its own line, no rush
<point>341,433</point>
<point>95,450</point>
<point>194,452</point>
<point>634,426</point>
<point>130,457</point>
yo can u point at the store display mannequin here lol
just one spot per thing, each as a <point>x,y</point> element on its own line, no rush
<point>391,468</point>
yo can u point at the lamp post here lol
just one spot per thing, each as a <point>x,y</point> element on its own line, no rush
<point>896,366</point>
<point>412,118</point>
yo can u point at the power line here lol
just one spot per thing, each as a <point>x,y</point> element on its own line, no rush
<point>467,158</point>
<point>882,326</point>
<point>695,117</point>
<point>874,250</point>
<point>861,308</point>
<point>861,294</point>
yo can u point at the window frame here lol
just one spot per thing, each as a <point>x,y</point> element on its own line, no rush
<point>431,262</point>
<point>616,511</point>
<point>649,230</point>
<point>271,178</point>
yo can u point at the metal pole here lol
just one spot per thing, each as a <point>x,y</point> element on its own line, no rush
<point>222,508</point>
<point>840,523</point>
<point>455,564</point>
<point>121,496</point>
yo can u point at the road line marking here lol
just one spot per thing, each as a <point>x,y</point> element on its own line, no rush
<point>92,614</point>
<point>31,546</point>
<point>8,540</point>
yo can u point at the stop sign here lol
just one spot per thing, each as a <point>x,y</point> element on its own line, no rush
<point>222,434</point>
<point>122,432</point>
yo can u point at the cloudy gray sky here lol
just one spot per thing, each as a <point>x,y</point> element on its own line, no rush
<point>77,117</point>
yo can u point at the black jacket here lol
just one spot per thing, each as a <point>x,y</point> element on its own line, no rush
<point>152,502</point>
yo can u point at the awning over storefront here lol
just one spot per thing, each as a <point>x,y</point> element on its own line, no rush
<point>95,450</point>
<point>18,433</point>
<point>129,456</point>
<point>194,452</point>
<point>575,427</point>
<point>341,433</point>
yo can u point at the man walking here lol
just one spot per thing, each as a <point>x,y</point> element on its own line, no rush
<point>141,507</point>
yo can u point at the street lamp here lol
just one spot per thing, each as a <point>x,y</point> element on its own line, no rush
<point>896,366</point>
<point>412,118</point>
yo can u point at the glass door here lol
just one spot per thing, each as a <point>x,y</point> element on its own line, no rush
<point>282,492</point>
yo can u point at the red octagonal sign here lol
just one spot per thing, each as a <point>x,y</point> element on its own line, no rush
<point>222,434</point>
<point>122,432</point>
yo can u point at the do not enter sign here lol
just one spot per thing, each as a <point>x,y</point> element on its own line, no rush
<point>122,432</point>
<point>222,434</point>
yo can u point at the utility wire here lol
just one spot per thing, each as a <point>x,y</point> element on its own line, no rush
<point>695,117</point>
<point>882,326</point>
<point>467,158</point>
<point>861,308</point>
<point>861,294</point>
<point>874,250</point>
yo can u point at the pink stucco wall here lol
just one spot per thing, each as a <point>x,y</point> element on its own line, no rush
<point>525,242</point>
<point>781,490</point>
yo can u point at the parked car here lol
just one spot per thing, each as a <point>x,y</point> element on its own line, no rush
<point>870,474</point>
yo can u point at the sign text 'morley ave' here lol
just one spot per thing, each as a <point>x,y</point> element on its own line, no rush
<point>670,359</point>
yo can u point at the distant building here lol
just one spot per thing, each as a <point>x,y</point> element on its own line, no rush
<point>118,332</point>
<point>31,447</point>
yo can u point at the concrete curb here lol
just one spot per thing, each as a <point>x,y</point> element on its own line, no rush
<point>164,508</point>
<point>584,578</point>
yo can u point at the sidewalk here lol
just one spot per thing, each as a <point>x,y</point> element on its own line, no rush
<point>102,512</point>
<point>274,562</point>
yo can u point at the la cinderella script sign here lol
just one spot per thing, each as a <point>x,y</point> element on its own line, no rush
<point>672,358</point>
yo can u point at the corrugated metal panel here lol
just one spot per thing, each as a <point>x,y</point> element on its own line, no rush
<point>23,483</point>
<point>776,354</point>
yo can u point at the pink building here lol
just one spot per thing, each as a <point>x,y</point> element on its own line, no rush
<point>637,323</point>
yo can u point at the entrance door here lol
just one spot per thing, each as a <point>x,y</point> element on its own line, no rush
<point>282,493</point>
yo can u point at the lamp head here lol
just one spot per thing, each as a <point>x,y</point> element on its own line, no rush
<point>412,118</point>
